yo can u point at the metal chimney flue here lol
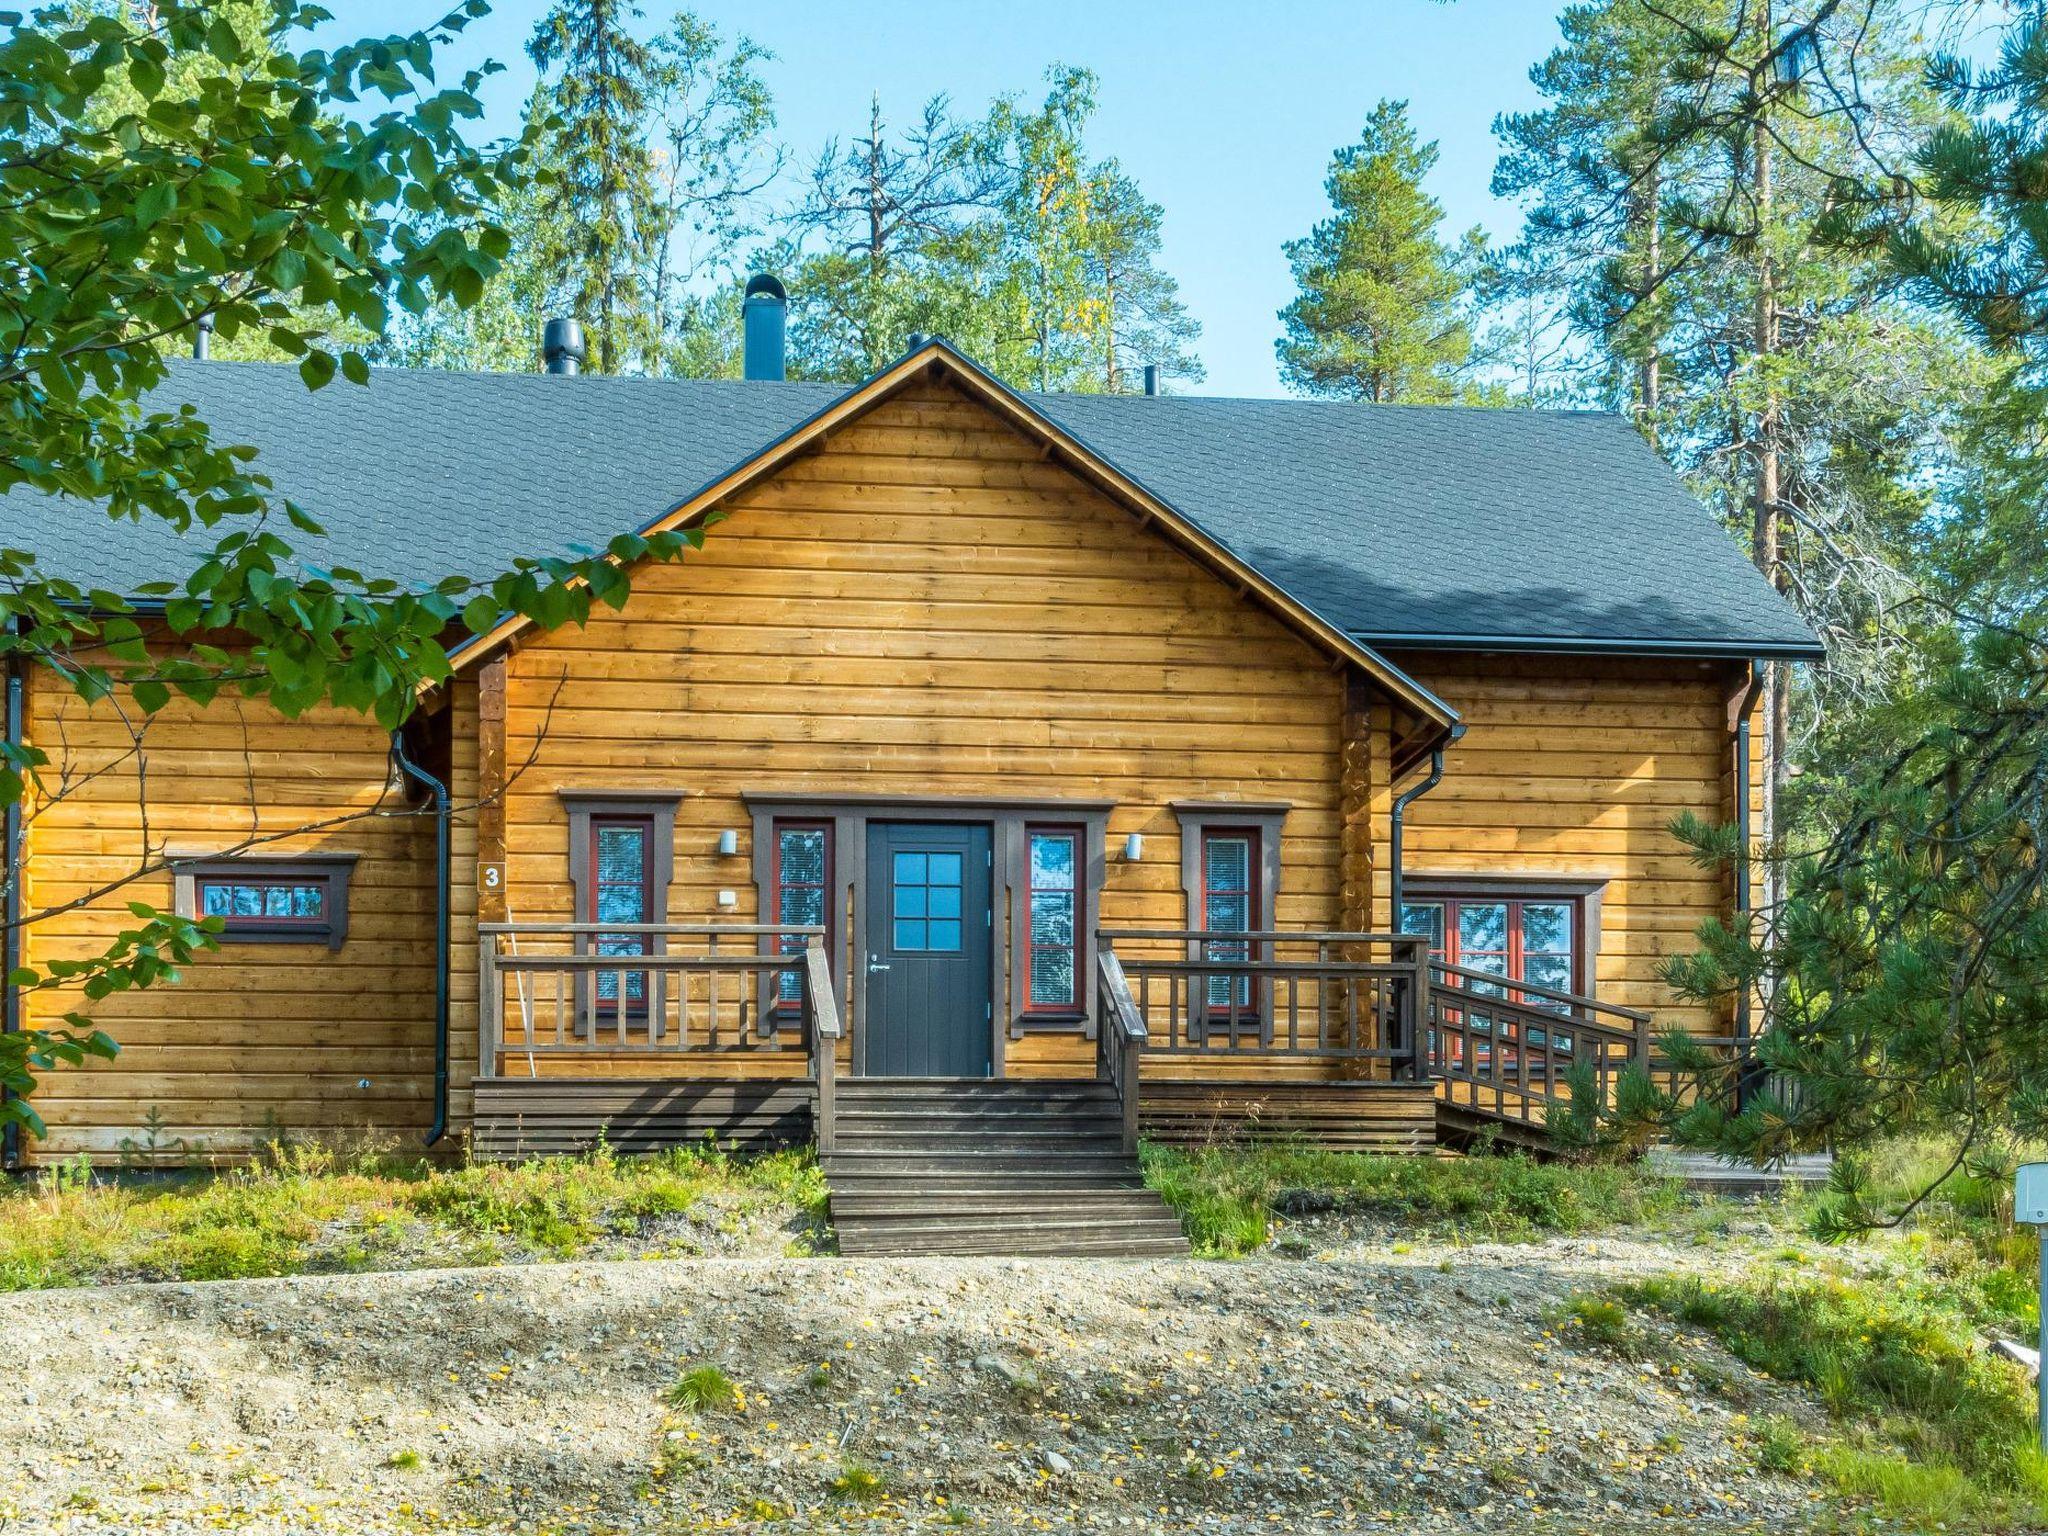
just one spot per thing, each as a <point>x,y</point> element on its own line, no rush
<point>1151,378</point>
<point>764,319</point>
<point>202,337</point>
<point>561,346</point>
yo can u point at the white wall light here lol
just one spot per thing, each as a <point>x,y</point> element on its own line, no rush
<point>1134,848</point>
<point>728,843</point>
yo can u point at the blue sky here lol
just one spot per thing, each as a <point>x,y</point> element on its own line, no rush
<point>1226,113</point>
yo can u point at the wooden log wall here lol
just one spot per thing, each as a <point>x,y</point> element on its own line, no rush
<point>927,607</point>
<point>1574,767</point>
<point>256,1037</point>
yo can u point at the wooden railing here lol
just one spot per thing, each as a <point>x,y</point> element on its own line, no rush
<point>1316,996</point>
<point>1120,1040</point>
<point>697,990</point>
<point>1507,1050</point>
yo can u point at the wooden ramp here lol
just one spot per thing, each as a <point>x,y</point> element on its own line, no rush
<point>923,1166</point>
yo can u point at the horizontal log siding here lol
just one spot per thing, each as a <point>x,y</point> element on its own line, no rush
<point>254,1035</point>
<point>926,607</point>
<point>1574,766</point>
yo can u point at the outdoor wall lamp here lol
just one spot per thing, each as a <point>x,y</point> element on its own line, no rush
<point>1134,848</point>
<point>728,843</point>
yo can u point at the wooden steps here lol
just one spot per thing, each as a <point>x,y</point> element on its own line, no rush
<point>946,1166</point>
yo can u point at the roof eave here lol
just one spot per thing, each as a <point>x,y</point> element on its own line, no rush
<point>1577,645</point>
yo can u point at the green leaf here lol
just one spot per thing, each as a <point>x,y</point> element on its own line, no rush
<point>317,369</point>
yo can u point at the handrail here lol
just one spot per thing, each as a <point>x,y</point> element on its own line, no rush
<point>713,930</point>
<point>1513,1059</point>
<point>1515,984</point>
<point>697,1000</point>
<point>1120,1043</point>
<point>821,1010</point>
<point>1262,935</point>
<point>1354,997</point>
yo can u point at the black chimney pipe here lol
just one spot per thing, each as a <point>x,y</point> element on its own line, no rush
<point>764,315</point>
<point>561,344</point>
<point>1151,378</point>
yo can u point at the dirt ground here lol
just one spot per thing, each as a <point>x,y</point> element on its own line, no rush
<point>1427,1390</point>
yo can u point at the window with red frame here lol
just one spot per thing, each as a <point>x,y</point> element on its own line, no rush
<point>1230,904</point>
<point>1536,939</point>
<point>249,904</point>
<point>800,881</point>
<point>621,891</point>
<point>1054,919</point>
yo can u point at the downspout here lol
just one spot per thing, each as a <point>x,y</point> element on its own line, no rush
<point>1416,792</point>
<point>10,943</point>
<point>439,792</point>
<point>1744,702</point>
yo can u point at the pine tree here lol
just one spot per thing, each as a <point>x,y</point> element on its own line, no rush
<point>1382,311</point>
<point>599,219</point>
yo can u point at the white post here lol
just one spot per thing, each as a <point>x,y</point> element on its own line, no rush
<point>2030,1209</point>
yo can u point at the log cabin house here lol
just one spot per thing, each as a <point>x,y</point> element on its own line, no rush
<point>1006,775</point>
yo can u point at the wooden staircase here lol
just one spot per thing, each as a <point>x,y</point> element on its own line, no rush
<point>923,1166</point>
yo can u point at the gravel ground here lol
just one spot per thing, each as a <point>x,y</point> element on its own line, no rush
<point>1367,1389</point>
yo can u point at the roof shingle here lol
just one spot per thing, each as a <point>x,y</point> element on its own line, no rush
<point>1402,524</point>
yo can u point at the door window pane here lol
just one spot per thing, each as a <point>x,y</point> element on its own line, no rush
<point>925,902</point>
<point>1052,979</point>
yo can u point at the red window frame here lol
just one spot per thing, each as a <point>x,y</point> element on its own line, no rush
<point>597,885</point>
<point>786,998</point>
<point>1073,1007</point>
<point>1244,997</point>
<point>1453,951</point>
<point>313,927</point>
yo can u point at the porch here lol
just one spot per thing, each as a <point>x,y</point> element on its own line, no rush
<point>744,1033</point>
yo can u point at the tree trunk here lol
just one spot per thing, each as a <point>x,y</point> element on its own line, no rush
<point>1649,385</point>
<point>1767,519</point>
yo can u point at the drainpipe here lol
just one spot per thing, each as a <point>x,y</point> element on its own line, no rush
<point>10,943</point>
<point>439,792</point>
<point>1744,701</point>
<point>1436,774</point>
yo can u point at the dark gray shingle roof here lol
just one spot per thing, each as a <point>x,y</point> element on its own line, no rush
<point>1401,524</point>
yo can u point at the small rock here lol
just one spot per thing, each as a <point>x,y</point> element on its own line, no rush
<point>1057,1464</point>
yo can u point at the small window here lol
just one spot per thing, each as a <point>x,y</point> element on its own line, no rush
<point>1051,940</point>
<point>268,900</point>
<point>802,884</point>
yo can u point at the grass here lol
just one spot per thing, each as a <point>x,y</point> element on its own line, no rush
<point>1929,1427</point>
<point>1230,1199</point>
<point>706,1388</point>
<point>306,1209</point>
<point>858,1484</point>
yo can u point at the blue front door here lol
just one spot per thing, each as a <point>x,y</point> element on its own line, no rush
<point>930,958</point>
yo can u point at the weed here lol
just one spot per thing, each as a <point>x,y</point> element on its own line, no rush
<point>820,1377</point>
<point>1930,1423</point>
<point>404,1461</point>
<point>1602,1321</point>
<point>1781,1446</point>
<point>303,1206</point>
<point>707,1388</point>
<point>1229,1197</point>
<point>858,1484</point>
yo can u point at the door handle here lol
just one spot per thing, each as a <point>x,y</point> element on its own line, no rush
<point>876,964</point>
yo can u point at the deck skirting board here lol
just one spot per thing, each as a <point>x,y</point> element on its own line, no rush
<point>1346,1117</point>
<point>534,1117</point>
